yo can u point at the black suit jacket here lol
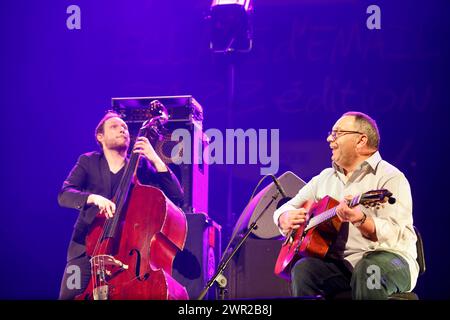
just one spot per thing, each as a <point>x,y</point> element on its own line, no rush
<point>91,175</point>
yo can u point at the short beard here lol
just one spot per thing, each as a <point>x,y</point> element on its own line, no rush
<point>122,148</point>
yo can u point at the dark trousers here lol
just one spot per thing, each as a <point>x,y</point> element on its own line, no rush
<point>375,277</point>
<point>76,278</point>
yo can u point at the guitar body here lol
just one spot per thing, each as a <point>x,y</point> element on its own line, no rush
<point>313,242</point>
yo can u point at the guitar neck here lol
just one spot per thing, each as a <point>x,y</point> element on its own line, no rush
<point>329,214</point>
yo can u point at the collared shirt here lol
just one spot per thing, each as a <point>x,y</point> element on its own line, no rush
<point>393,223</point>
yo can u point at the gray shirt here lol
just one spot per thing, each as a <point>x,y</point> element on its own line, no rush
<point>393,223</point>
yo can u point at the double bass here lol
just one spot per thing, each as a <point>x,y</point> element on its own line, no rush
<point>132,253</point>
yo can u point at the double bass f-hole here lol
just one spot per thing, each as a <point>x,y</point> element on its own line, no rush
<point>138,266</point>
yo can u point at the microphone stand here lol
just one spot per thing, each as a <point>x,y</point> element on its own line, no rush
<point>218,276</point>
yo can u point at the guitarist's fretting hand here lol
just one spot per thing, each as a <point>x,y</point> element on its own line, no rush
<point>292,219</point>
<point>365,224</point>
<point>347,214</point>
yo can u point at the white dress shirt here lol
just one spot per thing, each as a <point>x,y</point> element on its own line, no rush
<point>393,223</point>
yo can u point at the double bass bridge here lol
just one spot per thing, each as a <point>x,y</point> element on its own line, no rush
<point>103,268</point>
<point>103,260</point>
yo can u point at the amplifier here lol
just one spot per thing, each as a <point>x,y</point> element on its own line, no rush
<point>251,275</point>
<point>184,113</point>
<point>180,108</point>
<point>197,263</point>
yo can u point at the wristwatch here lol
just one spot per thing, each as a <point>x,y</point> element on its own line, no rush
<point>360,222</point>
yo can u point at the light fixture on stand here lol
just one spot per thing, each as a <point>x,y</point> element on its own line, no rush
<point>231,26</point>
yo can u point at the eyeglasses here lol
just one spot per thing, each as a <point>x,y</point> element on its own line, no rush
<point>339,133</point>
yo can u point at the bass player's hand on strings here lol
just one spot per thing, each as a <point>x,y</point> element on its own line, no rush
<point>106,206</point>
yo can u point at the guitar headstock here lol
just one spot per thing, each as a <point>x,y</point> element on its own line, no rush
<point>376,198</point>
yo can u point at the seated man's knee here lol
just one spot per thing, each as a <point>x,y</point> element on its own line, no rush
<point>367,282</point>
<point>303,268</point>
<point>304,281</point>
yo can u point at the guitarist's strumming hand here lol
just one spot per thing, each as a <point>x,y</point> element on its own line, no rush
<point>292,219</point>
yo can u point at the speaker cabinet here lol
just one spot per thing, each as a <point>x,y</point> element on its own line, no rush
<point>197,263</point>
<point>250,273</point>
<point>193,174</point>
<point>184,112</point>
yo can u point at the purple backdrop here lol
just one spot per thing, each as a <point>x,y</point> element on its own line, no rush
<point>311,61</point>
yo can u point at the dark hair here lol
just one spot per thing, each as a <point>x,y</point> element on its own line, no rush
<point>101,125</point>
<point>368,126</point>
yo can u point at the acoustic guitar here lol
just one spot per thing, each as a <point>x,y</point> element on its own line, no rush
<point>320,230</point>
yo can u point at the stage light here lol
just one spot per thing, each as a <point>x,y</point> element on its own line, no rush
<point>231,25</point>
<point>243,3</point>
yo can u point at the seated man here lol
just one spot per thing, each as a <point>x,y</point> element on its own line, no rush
<point>93,181</point>
<point>370,239</point>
